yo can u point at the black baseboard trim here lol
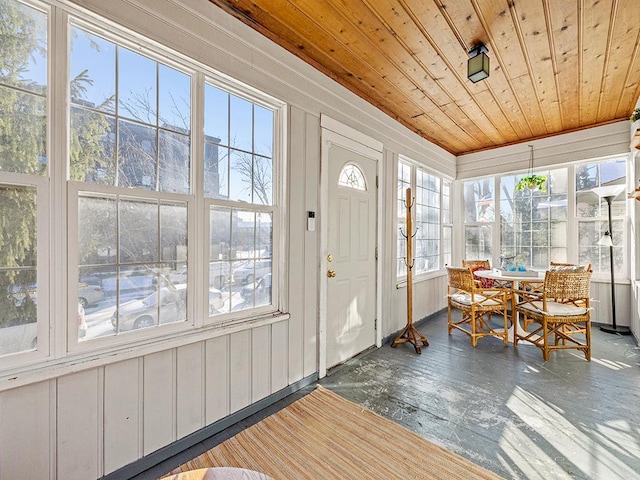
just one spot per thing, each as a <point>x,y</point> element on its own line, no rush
<point>423,320</point>
<point>149,461</point>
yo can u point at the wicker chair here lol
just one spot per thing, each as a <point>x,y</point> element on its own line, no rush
<point>479,265</point>
<point>561,310</point>
<point>476,304</point>
<point>476,263</point>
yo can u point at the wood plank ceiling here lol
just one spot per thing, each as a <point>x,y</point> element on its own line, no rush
<point>556,65</point>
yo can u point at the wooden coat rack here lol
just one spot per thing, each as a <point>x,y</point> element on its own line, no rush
<point>409,333</point>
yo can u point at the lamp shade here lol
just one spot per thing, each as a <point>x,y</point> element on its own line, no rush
<point>606,240</point>
<point>609,191</point>
<point>478,67</point>
<point>478,63</point>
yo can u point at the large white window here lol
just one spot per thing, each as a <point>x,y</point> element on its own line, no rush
<point>479,216</point>
<point>156,147</point>
<point>23,176</point>
<point>239,172</point>
<point>431,212</point>
<point>593,218</point>
<point>533,223</point>
<point>130,131</point>
<point>537,227</point>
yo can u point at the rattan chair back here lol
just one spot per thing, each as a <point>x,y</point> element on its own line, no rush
<point>567,286</point>
<point>461,278</point>
<point>477,263</point>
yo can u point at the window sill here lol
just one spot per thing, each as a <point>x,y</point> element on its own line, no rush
<point>76,362</point>
<point>402,282</point>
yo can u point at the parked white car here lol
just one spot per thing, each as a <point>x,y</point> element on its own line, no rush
<point>22,334</point>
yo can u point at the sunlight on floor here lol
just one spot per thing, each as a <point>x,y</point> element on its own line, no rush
<point>577,455</point>
<point>609,363</point>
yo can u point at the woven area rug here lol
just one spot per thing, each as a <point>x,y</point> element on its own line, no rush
<point>323,436</point>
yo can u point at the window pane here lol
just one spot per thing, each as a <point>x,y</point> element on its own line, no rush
<point>136,155</point>
<point>600,174</point>
<point>23,49</point>
<point>427,222</point>
<point>93,71</point>
<point>92,147</point>
<point>446,201</point>
<point>23,132</point>
<point>533,223</point>
<point>240,185</point>
<point>216,166</point>
<point>173,233</point>
<point>153,150</point>
<point>216,121</point>
<point>478,201</point>
<point>18,279</point>
<point>97,219</point>
<point>142,304</point>
<point>173,159</point>
<point>138,231</point>
<point>352,177</point>
<point>174,100</point>
<point>241,124</point>
<point>262,181</point>
<point>263,131</point>
<point>137,86</point>
<point>589,251</point>
<point>478,241</point>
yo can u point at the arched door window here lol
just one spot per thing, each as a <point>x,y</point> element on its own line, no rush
<point>352,177</point>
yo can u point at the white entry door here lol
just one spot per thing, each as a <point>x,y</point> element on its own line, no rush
<point>351,242</point>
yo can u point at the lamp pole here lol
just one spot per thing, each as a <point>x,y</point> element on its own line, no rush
<point>613,328</point>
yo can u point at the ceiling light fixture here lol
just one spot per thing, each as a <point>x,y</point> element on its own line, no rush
<point>478,63</point>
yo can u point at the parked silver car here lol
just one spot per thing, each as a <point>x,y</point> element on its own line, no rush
<point>251,271</point>
<point>163,306</point>
<point>87,294</point>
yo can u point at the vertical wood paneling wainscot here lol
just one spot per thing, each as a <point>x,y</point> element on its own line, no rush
<point>429,297</point>
<point>88,424</point>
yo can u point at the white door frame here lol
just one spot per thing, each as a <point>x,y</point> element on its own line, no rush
<point>336,133</point>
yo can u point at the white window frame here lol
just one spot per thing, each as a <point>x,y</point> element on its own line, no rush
<point>57,197</point>
<point>604,275</point>
<point>276,208</point>
<point>414,166</point>
<point>573,221</point>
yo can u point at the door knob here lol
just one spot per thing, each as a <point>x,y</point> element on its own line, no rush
<point>331,273</point>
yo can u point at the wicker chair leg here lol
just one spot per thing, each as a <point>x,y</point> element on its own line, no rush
<point>587,352</point>
<point>545,338</point>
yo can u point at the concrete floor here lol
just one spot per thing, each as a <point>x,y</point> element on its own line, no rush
<point>501,407</point>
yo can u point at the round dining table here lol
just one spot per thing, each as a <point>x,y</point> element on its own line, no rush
<point>511,280</point>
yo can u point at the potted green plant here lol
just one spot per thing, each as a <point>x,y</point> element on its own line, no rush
<point>532,181</point>
<point>635,115</point>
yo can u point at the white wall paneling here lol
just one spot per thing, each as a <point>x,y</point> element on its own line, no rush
<point>260,363</point>
<point>595,142</point>
<point>279,359</point>
<point>25,426</point>
<point>122,414</point>
<point>217,379</point>
<point>80,425</point>
<point>240,365</point>
<point>159,400</point>
<point>190,388</point>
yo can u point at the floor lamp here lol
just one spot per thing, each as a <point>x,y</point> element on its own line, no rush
<point>609,193</point>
